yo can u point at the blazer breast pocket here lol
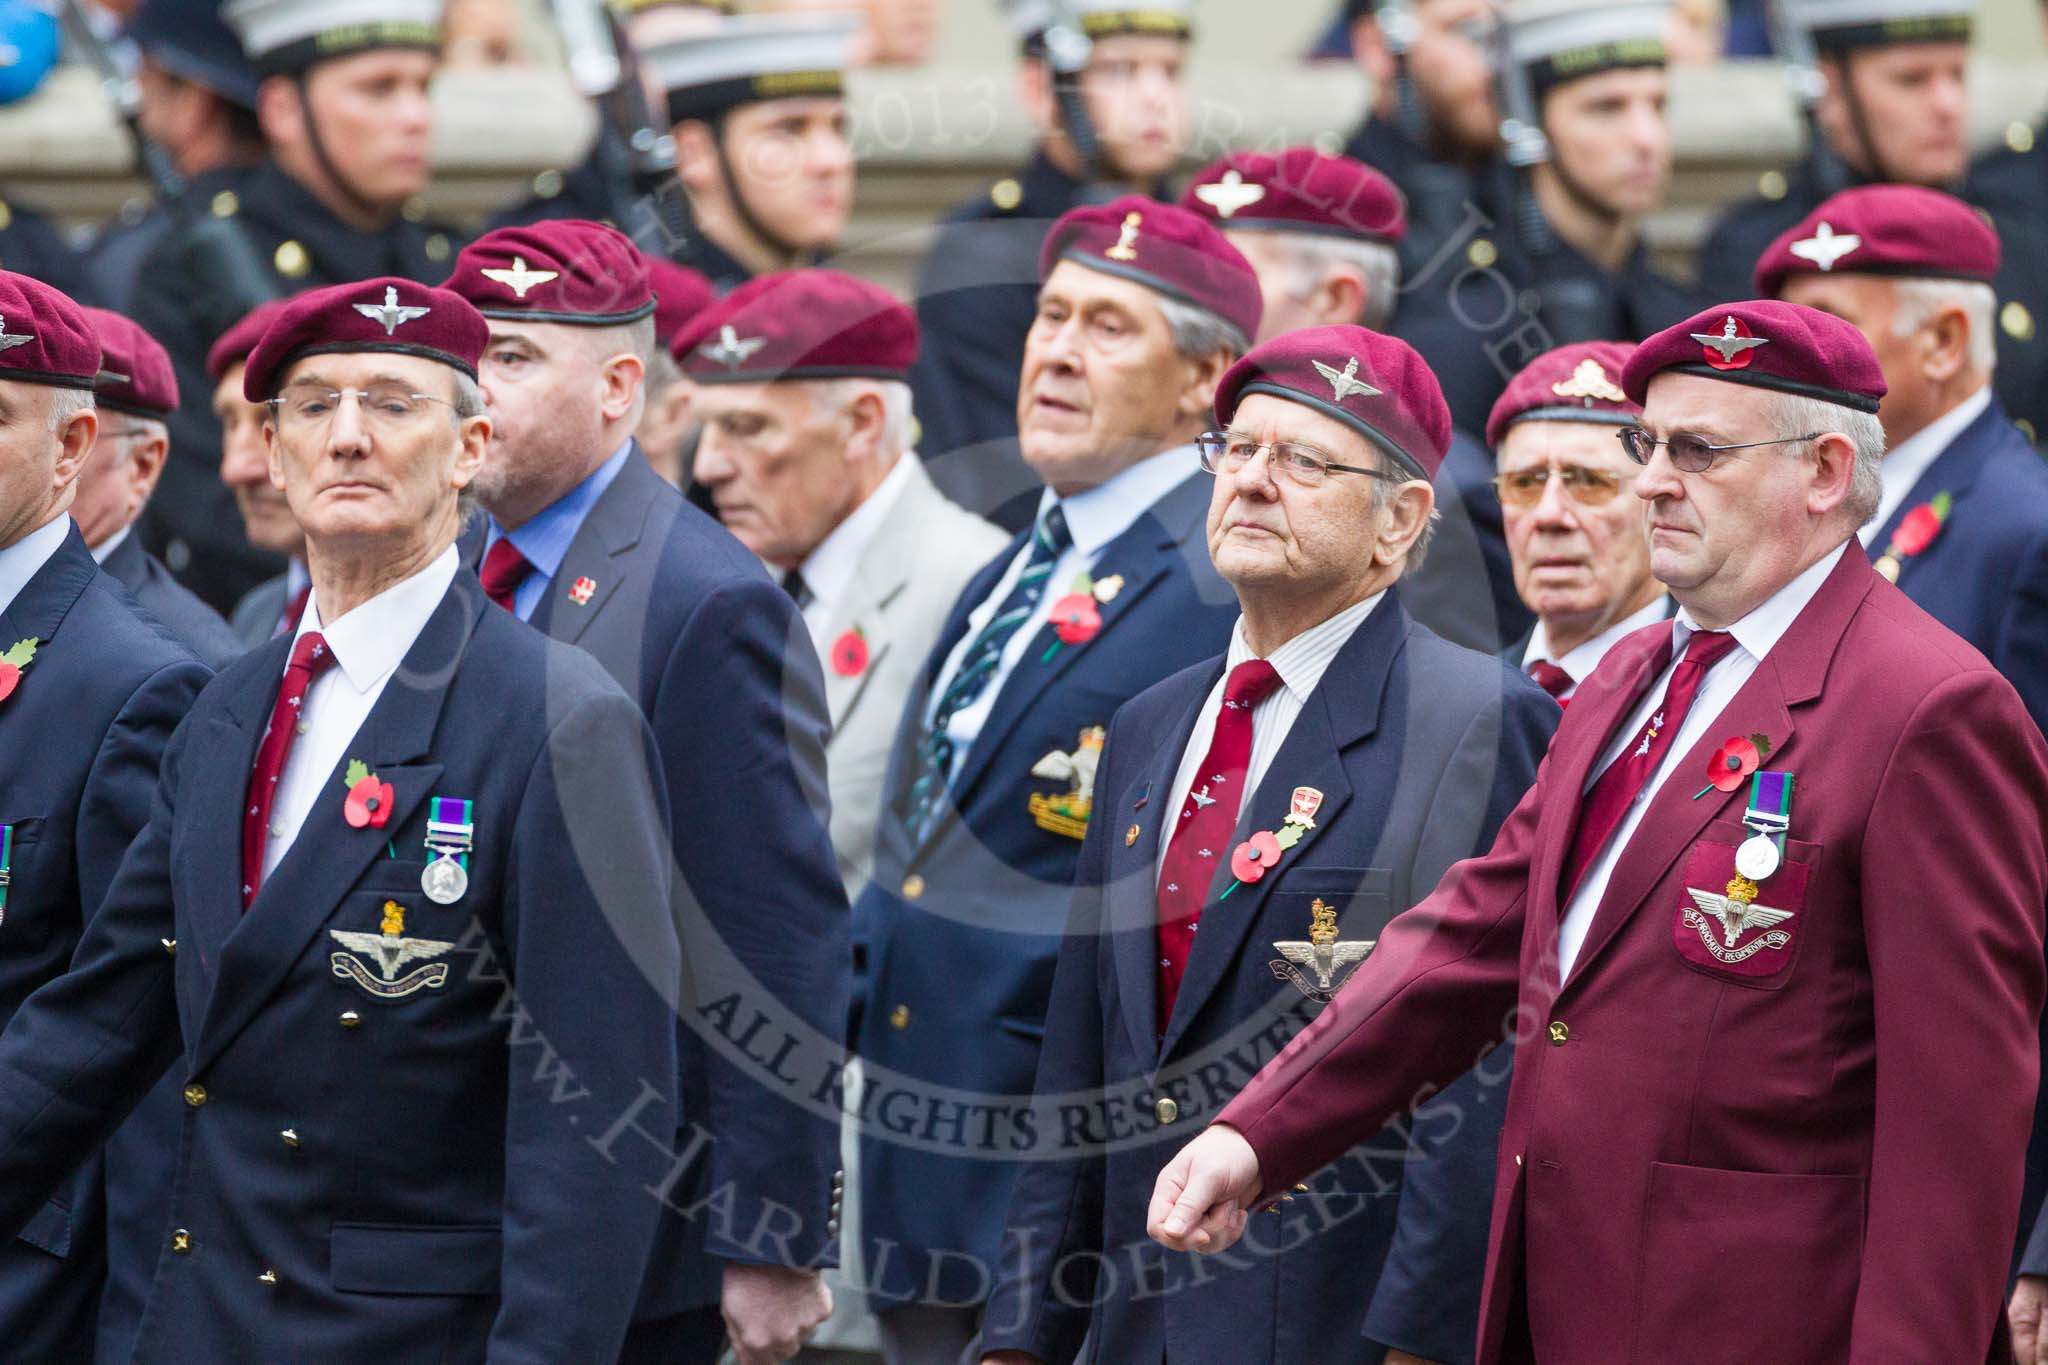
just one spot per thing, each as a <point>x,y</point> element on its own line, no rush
<point>1326,921</point>
<point>1735,929</point>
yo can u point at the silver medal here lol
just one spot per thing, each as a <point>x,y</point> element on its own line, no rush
<point>1757,858</point>
<point>444,881</point>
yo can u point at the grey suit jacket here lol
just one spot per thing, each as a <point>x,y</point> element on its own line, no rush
<point>922,555</point>
<point>256,616</point>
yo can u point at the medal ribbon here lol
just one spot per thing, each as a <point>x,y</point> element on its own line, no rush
<point>450,828</point>
<point>1770,806</point>
<point>6,863</point>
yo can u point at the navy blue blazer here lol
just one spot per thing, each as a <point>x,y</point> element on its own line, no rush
<point>80,740</point>
<point>1420,748</point>
<point>405,1131</point>
<point>1465,589</point>
<point>962,927</point>
<point>691,626</point>
<point>171,602</point>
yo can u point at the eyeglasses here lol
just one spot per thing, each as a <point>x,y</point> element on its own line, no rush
<point>1587,487</point>
<point>383,406</point>
<point>1688,452</point>
<point>1223,453</point>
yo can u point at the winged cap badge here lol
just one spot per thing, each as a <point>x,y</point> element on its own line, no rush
<point>1826,246</point>
<point>732,350</point>
<point>391,950</point>
<point>1589,381</point>
<point>391,315</point>
<point>1230,194</point>
<point>1730,347</point>
<point>519,279</point>
<point>8,343</point>
<point>1345,382</point>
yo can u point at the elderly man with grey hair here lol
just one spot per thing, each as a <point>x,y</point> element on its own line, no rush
<point>1141,308</point>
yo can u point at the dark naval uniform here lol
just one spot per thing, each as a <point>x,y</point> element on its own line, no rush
<point>1439,194</point>
<point>977,293</point>
<point>29,245</point>
<point>191,521</point>
<point>1491,305</point>
<point>1738,240</point>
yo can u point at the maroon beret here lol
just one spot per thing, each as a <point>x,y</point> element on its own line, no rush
<point>45,337</point>
<point>135,371</point>
<point>1375,384</point>
<point>1769,345</point>
<point>562,270</point>
<point>1162,247</point>
<point>800,324</point>
<point>384,315</point>
<point>238,341</point>
<point>1884,230</point>
<point>1300,190</point>
<point>680,293</point>
<point>1576,383</point>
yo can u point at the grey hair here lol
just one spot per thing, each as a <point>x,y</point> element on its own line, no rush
<point>66,404</point>
<point>1199,332</point>
<point>897,416</point>
<point>1920,299</point>
<point>1797,415</point>
<point>469,402</point>
<point>1313,257</point>
<point>662,371</point>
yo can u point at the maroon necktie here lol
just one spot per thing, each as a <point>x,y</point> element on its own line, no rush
<point>293,610</point>
<point>310,658</point>
<point>1551,678</point>
<point>1604,807</point>
<point>1208,817</point>
<point>503,571</point>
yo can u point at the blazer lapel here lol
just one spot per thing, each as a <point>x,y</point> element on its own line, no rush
<point>1131,898</point>
<point>209,819</point>
<point>46,599</point>
<point>1343,711</point>
<point>1952,472</point>
<point>328,857</point>
<point>1792,674</point>
<point>588,575</point>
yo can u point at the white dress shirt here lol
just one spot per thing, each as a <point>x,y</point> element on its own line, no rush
<point>1754,634</point>
<point>1301,663</point>
<point>22,560</point>
<point>1905,463</point>
<point>1094,518</point>
<point>829,569</point>
<point>1580,660</point>
<point>368,644</point>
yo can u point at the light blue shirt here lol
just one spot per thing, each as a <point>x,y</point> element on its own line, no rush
<point>1095,517</point>
<point>545,540</point>
<point>22,560</point>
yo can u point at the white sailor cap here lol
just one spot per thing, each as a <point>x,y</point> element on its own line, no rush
<point>291,35</point>
<point>1562,40</point>
<point>1838,24</point>
<point>1100,18</point>
<point>753,57</point>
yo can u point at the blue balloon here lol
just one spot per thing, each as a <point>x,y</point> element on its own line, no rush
<point>28,48</point>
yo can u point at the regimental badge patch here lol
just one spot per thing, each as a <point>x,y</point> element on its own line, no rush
<point>392,951</point>
<point>1730,925</point>
<point>1318,966</point>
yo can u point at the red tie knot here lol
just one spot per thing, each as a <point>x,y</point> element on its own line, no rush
<point>311,655</point>
<point>1550,677</point>
<point>1706,647</point>
<point>1250,683</point>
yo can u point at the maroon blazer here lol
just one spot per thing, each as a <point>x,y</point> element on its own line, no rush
<point>1811,1154</point>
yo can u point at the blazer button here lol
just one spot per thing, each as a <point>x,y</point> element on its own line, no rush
<point>913,887</point>
<point>268,1276</point>
<point>181,1242</point>
<point>1166,1111</point>
<point>195,1095</point>
<point>899,1018</point>
<point>349,1019</point>
<point>1560,1033</point>
<point>291,1138</point>
<point>170,945</point>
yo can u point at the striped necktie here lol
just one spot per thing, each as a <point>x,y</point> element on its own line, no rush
<point>1049,540</point>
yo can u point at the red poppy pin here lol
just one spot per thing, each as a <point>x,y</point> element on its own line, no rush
<point>850,654</point>
<point>1729,766</point>
<point>11,664</point>
<point>1075,619</point>
<point>369,801</point>
<point>1249,861</point>
<point>1916,531</point>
